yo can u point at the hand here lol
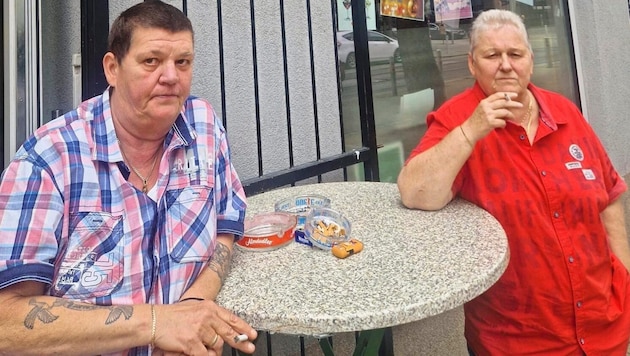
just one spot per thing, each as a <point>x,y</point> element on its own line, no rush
<point>491,113</point>
<point>199,328</point>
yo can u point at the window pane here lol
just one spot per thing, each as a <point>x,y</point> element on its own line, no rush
<point>427,63</point>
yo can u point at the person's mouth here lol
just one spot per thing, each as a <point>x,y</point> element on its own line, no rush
<point>165,96</point>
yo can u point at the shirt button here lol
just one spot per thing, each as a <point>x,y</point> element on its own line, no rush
<point>579,304</point>
<point>522,137</point>
<point>571,259</point>
<point>543,173</point>
<point>582,341</point>
<point>556,214</point>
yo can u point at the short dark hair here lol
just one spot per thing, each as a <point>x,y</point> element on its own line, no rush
<point>147,14</point>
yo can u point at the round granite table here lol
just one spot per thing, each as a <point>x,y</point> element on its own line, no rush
<point>414,264</point>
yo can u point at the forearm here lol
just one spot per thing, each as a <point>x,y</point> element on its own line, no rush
<point>614,222</point>
<point>209,282</point>
<point>426,181</point>
<point>34,324</point>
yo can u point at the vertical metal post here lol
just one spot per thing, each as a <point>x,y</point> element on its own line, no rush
<point>392,73</point>
<point>548,52</point>
<point>364,88</point>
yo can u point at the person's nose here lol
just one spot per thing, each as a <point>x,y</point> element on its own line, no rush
<point>505,64</point>
<point>169,75</point>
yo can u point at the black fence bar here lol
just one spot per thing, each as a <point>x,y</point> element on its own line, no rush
<point>287,93</point>
<point>221,64</point>
<point>313,82</point>
<point>364,88</point>
<point>252,15</point>
<point>340,76</point>
<point>297,173</point>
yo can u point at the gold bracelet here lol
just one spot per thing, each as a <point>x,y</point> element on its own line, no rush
<point>466,137</point>
<point>153,322</point>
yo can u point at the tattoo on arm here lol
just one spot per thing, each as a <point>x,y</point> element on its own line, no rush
<point>43,312</point>
<point>221,261</point>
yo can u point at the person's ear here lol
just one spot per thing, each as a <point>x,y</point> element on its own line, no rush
<point>110,67</point>
<point>471,64</point>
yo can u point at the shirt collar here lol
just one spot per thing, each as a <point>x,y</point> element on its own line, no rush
<point>546,116</point>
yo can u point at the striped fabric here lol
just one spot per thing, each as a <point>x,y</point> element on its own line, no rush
<point>70,219</point>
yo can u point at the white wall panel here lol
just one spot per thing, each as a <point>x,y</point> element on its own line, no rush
<point>271,88</point>
<point>602,41</point>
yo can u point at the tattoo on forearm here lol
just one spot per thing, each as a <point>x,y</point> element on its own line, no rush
<point>39,311</point>
<point>43,311</point>
<point>221,261</point>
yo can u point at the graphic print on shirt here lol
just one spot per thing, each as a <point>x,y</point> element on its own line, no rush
<point>577,153</point>
<point>195,164</point>
<point>93,263</point>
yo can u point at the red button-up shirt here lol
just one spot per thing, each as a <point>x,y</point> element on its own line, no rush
<point>564,292</point>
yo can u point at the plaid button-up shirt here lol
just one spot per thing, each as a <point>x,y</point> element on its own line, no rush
<point>70,219</point>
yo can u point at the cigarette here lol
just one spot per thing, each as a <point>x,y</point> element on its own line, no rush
<point>507,97</point>
<point>240,338</point>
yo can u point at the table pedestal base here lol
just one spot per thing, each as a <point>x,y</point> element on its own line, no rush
<point>368,343</point>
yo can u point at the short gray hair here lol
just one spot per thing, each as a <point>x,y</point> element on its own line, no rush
<point>494,19</point>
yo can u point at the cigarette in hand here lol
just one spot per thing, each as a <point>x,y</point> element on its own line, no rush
<point>507,97</point>
<point>240,338</point>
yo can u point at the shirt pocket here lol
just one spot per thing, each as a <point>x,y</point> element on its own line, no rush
<point>92,265</point>
<point>617,303</point>
<point>191,224</point>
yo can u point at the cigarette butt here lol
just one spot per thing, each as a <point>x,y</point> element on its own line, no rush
<point>507,97</point>
<point>240,338</point>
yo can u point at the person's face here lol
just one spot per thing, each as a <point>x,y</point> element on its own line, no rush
<point>153,80</point>
<point>501,61</point>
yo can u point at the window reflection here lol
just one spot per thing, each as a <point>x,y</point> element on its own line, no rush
<point>417,64</point>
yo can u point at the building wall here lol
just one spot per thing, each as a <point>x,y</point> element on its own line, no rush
<point>602,36</point>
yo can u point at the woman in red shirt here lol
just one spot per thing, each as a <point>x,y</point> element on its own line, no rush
<point>528,156</point>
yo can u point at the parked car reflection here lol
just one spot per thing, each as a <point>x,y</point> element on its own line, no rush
<point>449,32</point>
<point>381,48</point>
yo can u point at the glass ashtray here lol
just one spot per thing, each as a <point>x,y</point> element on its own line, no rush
<point>267,231</point>
<point>325,227</point>
<point>300,205</point>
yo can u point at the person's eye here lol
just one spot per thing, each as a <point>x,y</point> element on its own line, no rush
<point>151,61</point>
<point>183,62</point>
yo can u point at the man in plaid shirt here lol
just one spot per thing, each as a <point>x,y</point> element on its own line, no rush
<point>117,220</point>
